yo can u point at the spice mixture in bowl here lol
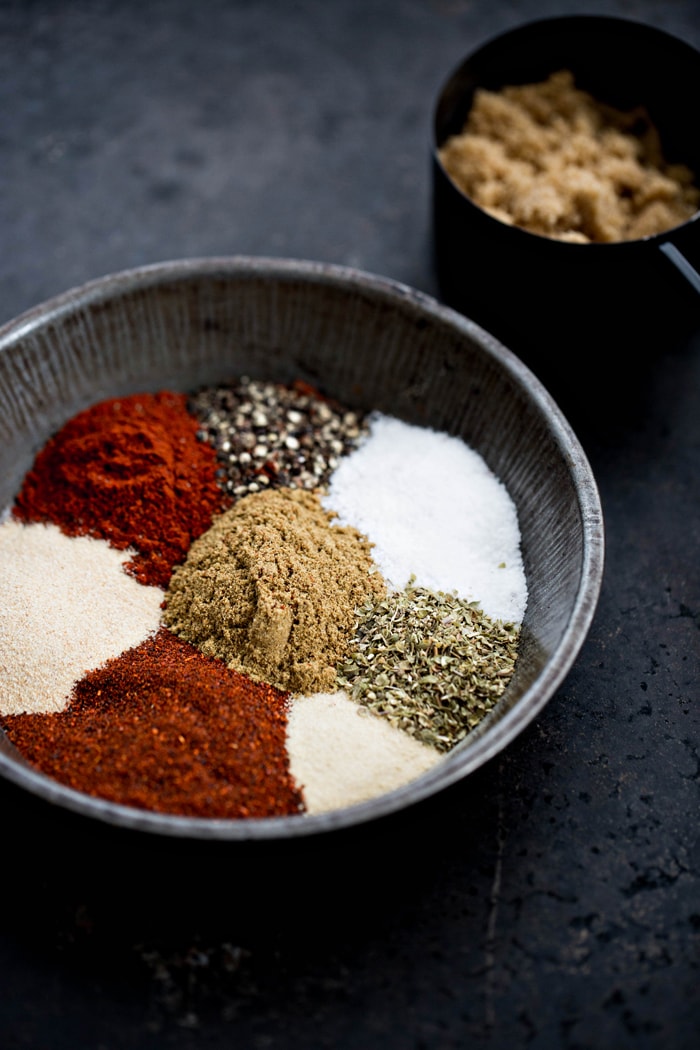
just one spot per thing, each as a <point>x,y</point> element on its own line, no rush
<point>285,547</point>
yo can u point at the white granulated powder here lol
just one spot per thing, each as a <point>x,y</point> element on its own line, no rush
<point>340,754</point>
<point>66,607</point>
<point>433,509</point>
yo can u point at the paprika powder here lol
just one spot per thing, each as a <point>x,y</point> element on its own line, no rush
<point>130,470</point>
<point>165,728</point>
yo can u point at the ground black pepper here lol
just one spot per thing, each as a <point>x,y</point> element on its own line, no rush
<point>268,435</point>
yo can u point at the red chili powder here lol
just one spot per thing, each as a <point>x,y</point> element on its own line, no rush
<point>132,471</point>
<point>164,727</point>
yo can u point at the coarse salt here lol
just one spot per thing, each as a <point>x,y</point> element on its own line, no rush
<point>433,508</point>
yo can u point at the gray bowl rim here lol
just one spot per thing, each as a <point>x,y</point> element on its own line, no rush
<point>455,766</point>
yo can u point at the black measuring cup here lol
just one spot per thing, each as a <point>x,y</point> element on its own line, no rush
<point>563,306</point>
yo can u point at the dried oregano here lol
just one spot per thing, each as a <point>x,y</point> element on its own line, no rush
<point>431,663</point>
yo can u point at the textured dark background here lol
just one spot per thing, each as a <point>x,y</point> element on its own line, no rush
<point>553,899</point>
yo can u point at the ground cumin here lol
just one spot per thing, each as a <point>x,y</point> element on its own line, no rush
<point>272,587</point>
<point>551,159</point>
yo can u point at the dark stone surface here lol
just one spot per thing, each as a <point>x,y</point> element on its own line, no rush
<point>553,899</point>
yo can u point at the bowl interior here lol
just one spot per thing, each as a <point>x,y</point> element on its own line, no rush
<point>373,344</point>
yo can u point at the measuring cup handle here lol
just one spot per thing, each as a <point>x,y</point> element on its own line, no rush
<point>682,265</point>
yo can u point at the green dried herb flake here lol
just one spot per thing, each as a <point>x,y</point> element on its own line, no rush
<point>431,663</point>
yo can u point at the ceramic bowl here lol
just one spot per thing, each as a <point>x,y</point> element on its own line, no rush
<point>372,343</point>
<point>569,309</point>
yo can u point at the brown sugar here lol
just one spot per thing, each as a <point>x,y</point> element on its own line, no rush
<point>549,158</point>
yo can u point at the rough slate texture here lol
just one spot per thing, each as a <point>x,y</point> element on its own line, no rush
<point>553,900</point>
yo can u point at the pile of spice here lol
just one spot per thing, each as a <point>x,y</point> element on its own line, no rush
<point>67,605</point>
<point>438,681</point>
<point>433,510</point>
<point>550,158</point>
<point>343,754</point>
<point>271,435</point>
<point>271,589</point>
<point>131,471</point>
<point>260,603</point>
